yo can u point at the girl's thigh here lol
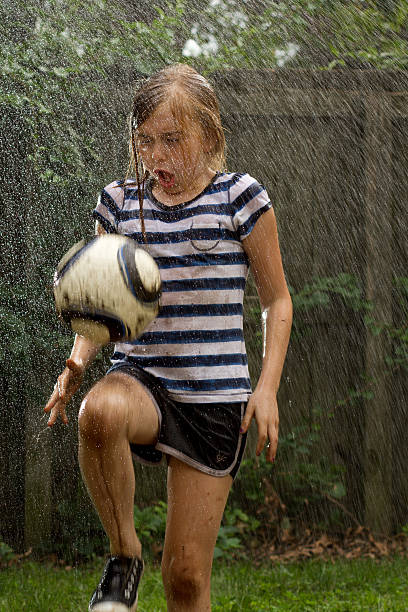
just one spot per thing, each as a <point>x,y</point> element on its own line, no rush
<point>196,503</point>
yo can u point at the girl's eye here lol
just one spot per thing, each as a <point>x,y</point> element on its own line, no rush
<point>144,141</point>
<point>172,139</point>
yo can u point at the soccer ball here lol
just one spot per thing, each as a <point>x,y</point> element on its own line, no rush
<point>107,289</point>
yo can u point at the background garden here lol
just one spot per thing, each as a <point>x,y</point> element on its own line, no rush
<point>314,101</point>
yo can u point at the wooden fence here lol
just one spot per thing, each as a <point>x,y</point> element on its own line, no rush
<point>331,148</point>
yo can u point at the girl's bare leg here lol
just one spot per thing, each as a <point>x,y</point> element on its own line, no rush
<point>116,411</point>
<point>196,503</point>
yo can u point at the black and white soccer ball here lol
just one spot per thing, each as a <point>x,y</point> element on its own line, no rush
<point>107,289</point>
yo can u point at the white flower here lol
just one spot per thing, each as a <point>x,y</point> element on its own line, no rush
<point>292,49</point>
<point>38,25</point>
<point>80,49</point>
<point>238,18</point>
<point>280,56</point>
<point>191,48</point>
<point>210,47</point>
<point>284,55</point>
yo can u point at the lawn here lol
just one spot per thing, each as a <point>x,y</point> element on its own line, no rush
<point>349,586</point>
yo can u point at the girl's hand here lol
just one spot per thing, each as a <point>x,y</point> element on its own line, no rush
<point>67,384</point>
<point>264,406</point>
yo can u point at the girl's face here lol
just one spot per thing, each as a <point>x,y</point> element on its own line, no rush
<point>173,153</point>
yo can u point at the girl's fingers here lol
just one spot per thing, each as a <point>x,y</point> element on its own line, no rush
<point>58,409</point>
<point>53,416</point>
<point>63,414</point>
<point>58,402</point>
<point>273,443</point>
<point>62,388</point>
<point>261,441</point>
<point>267,432</point>
<point>246,421</point>
<point>53,399</point>
<point>271,448</point>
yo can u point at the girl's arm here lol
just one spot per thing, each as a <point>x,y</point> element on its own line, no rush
<point>262,248</point>
<point>83,353</point>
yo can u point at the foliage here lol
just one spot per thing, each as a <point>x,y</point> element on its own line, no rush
<point>300,33</point>
<point>367,37</point>
<point>80,536</point>
<point>235,529</point>
<point>52,73</point>
<point>303,478</point>
<point>311,301</point>
<point>86,539</point>
<point>320,290</point>
<point>6,553</point>
<point>398,333</point>
<point>150,524</point>
<point>342,290</point>
<point>310,475</point>
<point>19,329</point>
<point>13,323</point>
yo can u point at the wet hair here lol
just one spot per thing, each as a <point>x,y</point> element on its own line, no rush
<point>192,100</point>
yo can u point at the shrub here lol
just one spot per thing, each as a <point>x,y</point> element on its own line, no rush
<point>6,553</point>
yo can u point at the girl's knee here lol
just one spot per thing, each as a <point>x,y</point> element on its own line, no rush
<point>102,416</point>
<point>185,579</point>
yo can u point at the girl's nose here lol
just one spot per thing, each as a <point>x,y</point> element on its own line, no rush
<point>158,152</point>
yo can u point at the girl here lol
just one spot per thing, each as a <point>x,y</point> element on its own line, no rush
<point>181,389</point>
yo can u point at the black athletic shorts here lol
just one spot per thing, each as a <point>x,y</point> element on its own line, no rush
<point>205,436</point>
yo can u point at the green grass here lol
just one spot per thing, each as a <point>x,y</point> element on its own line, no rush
<point>346,586</point>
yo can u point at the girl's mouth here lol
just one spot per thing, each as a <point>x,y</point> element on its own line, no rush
<point>166,179</point>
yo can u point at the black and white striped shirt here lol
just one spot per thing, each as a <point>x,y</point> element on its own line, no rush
<point>196,344</point>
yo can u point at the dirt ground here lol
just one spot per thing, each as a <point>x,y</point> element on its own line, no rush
<point>355,543</point>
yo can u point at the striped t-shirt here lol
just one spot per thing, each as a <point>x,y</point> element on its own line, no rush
<point>196,344</point>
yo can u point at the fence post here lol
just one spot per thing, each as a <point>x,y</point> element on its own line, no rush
<point>38,482</point>
<point>378,418</point>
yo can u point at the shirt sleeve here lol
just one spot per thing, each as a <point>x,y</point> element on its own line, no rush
<point>250,202</point>
<point>107,209</point>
